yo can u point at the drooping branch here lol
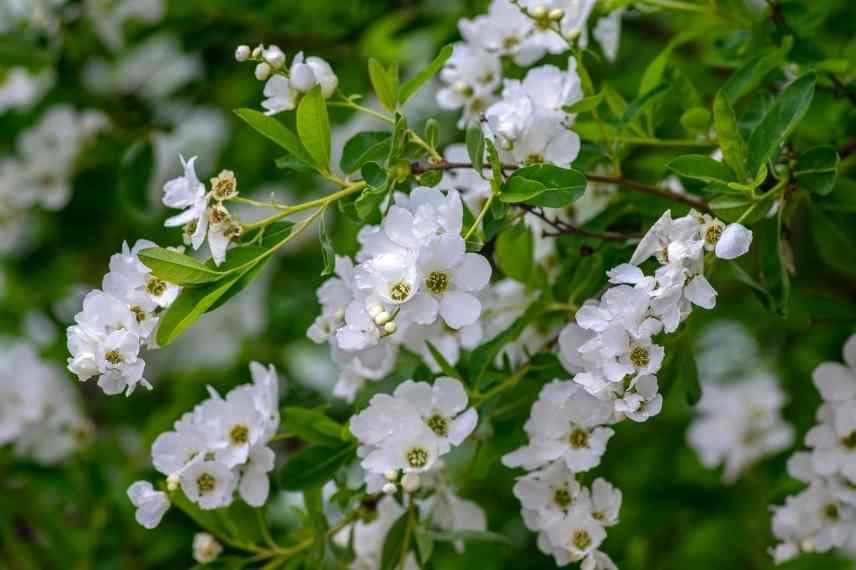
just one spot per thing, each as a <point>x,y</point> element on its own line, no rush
<point>632,185</point>
<point>562,227</point>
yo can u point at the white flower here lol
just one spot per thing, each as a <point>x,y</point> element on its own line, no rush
<point>547,495</point>
<point>206,548</point>
<point>151,505</point>
<point>642,401</point>
<point>210,484</point>
<point>471,76</point>
<point>313,71</point>
<point>443,408</point>
<point>566,424</point>
<point>281,95</point>
<point>188,193</point>
<point>575,537</point>
<point>607,32</point>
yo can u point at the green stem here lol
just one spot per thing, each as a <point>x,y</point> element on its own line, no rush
<point>678,5</point>
<point>509,382</point>
<point>432,152</point>
<point>480,217</point>
<point>347,103</point>
<point>258,204</point>
<point>319,203</point>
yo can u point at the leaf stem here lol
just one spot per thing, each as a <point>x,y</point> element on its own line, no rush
<point>349,189</point>
<point>479,218</point>
<point>350,104</point>
<point>678,5</point>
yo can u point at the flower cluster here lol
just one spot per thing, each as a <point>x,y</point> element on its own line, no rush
<point>413,276</point>
<point>523,31</point>
<point>610,348</point>
<point>739,417</point>
<point>118,321</point>
<point>39,412</point>
<point>823,516</point>
<point>218,447</point>
<point>286,84</point>
<point>204,214</point>
<point>39,173</point>
<point>408,431</point>
<point>568,432</point>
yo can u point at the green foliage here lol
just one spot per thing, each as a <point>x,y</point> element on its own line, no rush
<point>543,185</point>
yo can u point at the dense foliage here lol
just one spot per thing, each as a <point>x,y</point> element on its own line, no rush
<point>375,285</point>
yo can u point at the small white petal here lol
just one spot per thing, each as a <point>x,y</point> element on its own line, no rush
<point>733,242</point>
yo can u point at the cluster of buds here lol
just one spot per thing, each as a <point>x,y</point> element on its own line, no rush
<point>270,59</point>
<point>383,319</point>
<point>410,482</point>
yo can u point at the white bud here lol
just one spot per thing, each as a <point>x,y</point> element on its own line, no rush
<point>339,315</point>
<point>390,327</point>
<point>263,71</point>
<point>172,483</point>
<point>389,489</point>
<point>274,56</point>
<point>461,86</point>
<point>556,14</point>
<point>374,310</point>
<point>538,12</point>
<point>411,482</point>
<point>257,51</point>
<point>572,35</point>
<point>242,53</point>
<point>382,318</point>
<point>391,475</point>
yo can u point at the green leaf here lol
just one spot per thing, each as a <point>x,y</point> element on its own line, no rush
<point>696,120</point>
<point>327,252</point>
<point>413,84</point>
<point>780,121</point>
<point>817,169</point>
<point>314,426</point>
<point>730,140</point>
<point>730,207</point>
<point>135,176</point>
<point>701,167</point>
<point>424,546</point>
<point>313,126</point>
<point>364,147</point>
<point>773,271</point>
<point>385,83</point>
<point>584,105</point>
<point>177,267</point>
<point>465,536</point>
<point>314,466</point>
<point>274,130</point>
<point>475,146</point>
<point>639,104</point>
<point>837,247</point>
<point>750,75</point>
<point>514,252</point>
<point>544,185</point>
<point>395,547</point>
<point>191,304</point>
<point>445,367</point>
<point>432,132</point>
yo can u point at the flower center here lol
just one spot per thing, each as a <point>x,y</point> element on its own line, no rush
<point>639,357</point>
<point>579,438</point>
<point>438,425</point>
<point>850,441</point>
<point>239,434</point>
<point>581,539</point>
<point>831,512</point>
<point>399,291</point>
<point>113,357</point>
<point>155,286</point>
<point>711,236</point>
<point>437,282</point>
<point>417,457</point>
<point>562,497</point>
<point>205,483</point>
<point>510,41</point>
<point>139,313</point>
<point>534,159</point>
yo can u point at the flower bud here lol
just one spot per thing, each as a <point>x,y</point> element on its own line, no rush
<point>172,483</point>
<point>242,53</point>
<point>391,475</point>
<point>339,315</point>
<point>572,35</point>
<point>274,56</point>
<point>263,71</point>
<point>389,489</point>
<point>390,327</point>
<point>411,482</point>
<point>538,12</point>
<point>382,318</point>
<point>556,14</point>
<point>257,51</point>
<point>375,309</point>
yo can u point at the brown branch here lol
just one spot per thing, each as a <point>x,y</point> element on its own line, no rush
<point>564,228</point>
<point>689,200</point>
<point>847,148</point>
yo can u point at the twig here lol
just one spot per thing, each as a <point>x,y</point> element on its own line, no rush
<point>564,228</point>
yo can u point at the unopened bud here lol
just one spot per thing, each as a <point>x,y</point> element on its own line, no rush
<point>538,12</point>
<point>172,483</point>
<point>556,14</point>
<point>391,475</point>
<point>382,318</point>
<point>339,315</point>
<point>242,53</point>
<point>263,71</point>
<point>411,482</point>
<point>389,489</point>
<point>390,327</point>
<point>257,51</point>
<point>572,35</point>
<point>274,56</point>
<point>374,310</point>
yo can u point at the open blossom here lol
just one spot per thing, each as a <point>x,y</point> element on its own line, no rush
<point>282,91</point>
<point>151,505</point>
<point>411,429</point>
<point>116,323</point>
<point>221,446</point>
